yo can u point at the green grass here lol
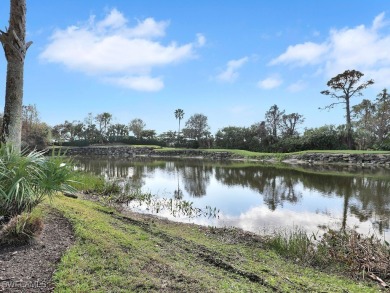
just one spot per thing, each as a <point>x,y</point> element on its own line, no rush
<point>243,153</point>
<point>249,154</point>
<point>167,149</point>
<point>285,155</point>
<point>114,253</point>
<point>294,244</point>
<point>145,146</point>
<point>342,152</point>
<point>88,182</point>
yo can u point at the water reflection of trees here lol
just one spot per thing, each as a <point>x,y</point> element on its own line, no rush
<point>196,179</point>
<point>373,199</point>
<point>135,171</point>
<point>195,175</point>
<point>268,182</point>
<point>365,198</point>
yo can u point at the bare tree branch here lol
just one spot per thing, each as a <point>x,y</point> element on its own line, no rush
<point>331,106</point>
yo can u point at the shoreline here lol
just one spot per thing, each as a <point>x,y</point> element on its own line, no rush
<point>179,257</point>
<point>301,158</point>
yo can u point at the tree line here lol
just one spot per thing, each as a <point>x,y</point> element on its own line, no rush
<point>367,124</point>
<point>277,132</point>
<point>367,127</point>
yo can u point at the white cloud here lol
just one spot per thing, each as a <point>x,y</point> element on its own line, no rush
<point>302,54</point>
<point>114,19</point>
<point>379,22</point>
<point>297,86</point>
<point>358,48</point>
<point>270,83</point>
<point>230,74</point>
<point>111,49</point>
<point>261,217</point>
<point>362,48</point>
<point>201,39</point>
<point>140,83</point>
<point>149,28</point>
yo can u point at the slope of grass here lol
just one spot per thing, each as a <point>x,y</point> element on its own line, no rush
<point>133,253</point>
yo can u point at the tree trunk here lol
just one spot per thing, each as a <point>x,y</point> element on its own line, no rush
<point>15,49</point>
<point>349,124</point>
<point>178,134</point>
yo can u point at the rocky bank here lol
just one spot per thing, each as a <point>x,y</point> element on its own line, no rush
<point>305,158</point>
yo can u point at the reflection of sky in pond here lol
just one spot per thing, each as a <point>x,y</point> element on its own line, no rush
<point>260,197</point>
<point>233,200</point>
<point>261,219</point>
<point>244,208</point>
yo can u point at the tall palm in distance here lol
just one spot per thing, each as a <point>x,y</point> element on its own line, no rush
<point>179,114</point>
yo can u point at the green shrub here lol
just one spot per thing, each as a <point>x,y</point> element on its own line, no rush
<point>326,137</point>
<point>287,145</point>
<point>383,146</point>
<point>27,178</point>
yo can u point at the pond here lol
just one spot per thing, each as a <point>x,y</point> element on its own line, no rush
<point>259,197</point>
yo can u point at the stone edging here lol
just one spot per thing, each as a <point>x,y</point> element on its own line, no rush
<point>307,158</point>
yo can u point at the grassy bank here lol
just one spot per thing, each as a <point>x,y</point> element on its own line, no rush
<point>134,253</point>
<point>249,155</point>
<point>242,153</point>
<point>282,156</point>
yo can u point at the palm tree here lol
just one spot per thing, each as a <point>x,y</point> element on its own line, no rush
<point>15,48</point>
<point>179,114</point>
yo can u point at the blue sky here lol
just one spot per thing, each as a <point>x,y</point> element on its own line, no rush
<point>229,60</point>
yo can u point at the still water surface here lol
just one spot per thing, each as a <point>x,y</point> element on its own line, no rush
<point>260,198</point>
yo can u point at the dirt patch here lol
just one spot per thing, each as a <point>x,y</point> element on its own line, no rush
<point>29,268</point>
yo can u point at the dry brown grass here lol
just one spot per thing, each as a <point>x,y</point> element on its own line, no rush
<point>21,229</point>
<point>364,256</point>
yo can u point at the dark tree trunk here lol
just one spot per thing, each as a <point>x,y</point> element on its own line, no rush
<point>15,48</point>
<point>349,124</point>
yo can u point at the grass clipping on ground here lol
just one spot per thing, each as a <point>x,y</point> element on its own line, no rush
<point>132,253</point>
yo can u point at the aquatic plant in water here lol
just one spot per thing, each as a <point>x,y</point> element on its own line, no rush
<point>124,193</point>
<point>176,207</point>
